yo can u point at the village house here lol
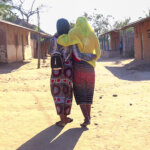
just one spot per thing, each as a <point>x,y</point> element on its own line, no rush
<point>109,43</point>
<point>135,38</point>
<point>141,38</point>
<point>16,43</point>
<point>127,38</point>
<point>44,44</point>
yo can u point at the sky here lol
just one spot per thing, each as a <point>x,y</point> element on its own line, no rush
<point>71,9</point>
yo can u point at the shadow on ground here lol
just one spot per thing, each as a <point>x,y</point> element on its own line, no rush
<point>134,71</point>
<point>8,68</point>
<point>48,140</point>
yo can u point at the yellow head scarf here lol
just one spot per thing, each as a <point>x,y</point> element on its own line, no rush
<point>82,35</point>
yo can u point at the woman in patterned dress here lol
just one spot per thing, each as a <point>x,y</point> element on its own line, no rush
<point>83,75</point>
<point>61,79</point>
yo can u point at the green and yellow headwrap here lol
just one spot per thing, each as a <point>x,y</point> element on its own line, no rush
<point>82,35</point>
<point>77,35</point>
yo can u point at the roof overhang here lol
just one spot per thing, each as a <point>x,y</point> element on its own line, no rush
<point>111,31</point>
<point>135,23</point>
<point>128,26</point>
<point>25,28</point>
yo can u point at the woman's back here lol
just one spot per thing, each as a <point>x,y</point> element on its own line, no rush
<point>56,48</point>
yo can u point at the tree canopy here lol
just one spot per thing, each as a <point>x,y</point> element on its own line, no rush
<point>120,24</point>
<point>99,22</point>
<point>25,14</point>
<point>12,8</point>
<point>147,14</point>
<point>6,10</point>
<point>102,24</point>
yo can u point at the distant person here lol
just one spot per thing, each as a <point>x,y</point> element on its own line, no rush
<point>62,72</point>
<point>83,71</point>
<point>121,47</point>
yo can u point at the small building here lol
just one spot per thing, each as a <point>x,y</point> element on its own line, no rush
<point>44,44</point>
<point>109,43</point>
<point>141,38</point>
<point>127,38</point>
<point>135,38</point>
<point>15,42</point>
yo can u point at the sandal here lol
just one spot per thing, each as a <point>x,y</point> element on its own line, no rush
<point>69,120</point>
<point>60,124</point>
<point>85,123</point>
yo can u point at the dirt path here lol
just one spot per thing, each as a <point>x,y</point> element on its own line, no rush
<point>120,113</point>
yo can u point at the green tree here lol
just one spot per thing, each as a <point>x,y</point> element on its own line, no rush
<point>147,14</point>
<point>10,9</point>
<point>100,23</point>
<point>25,14</point>
<point>120,24</point>
<point>3,9</point>
<point>6,11</point>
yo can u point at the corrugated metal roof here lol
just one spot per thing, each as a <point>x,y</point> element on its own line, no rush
<point>19,26</point>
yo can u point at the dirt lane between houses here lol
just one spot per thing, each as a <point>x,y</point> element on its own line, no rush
<point>120,113</point>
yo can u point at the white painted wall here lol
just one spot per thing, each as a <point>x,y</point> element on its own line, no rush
<point>14,53</point>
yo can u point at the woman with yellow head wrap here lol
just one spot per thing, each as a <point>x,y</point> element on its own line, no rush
<point>84,37</point>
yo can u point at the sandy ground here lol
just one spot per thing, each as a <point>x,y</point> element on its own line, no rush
<point>120,113</point>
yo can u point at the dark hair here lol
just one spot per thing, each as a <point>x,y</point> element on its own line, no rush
<point>63,26</point>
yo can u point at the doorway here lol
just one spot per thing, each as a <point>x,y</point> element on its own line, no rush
<point>3,51</point>
<point>22,41</point>
<point>142,49</point>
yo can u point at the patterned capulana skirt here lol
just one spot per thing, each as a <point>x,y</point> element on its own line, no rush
<point>61,88</point>
<point>83,82</point>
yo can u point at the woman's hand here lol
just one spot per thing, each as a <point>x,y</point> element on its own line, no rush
<point>94,56</point>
